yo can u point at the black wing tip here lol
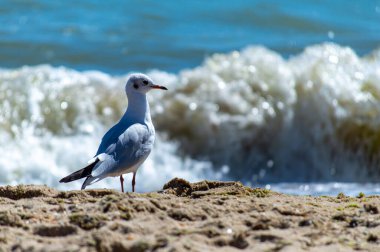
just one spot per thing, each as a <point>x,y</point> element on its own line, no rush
<point>63,181</point>
<point>82,173</point>
<point>74,176</point>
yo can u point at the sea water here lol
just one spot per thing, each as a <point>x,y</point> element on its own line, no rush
<point>122,36</point>
<point>276,95</point>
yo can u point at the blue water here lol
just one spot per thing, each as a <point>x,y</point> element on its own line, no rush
<point>123,36</point>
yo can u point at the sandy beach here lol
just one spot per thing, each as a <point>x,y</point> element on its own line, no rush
<point>203,216</point>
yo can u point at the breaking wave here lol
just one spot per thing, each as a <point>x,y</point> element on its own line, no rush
<point>250,115</point>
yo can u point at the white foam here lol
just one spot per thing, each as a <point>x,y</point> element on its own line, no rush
<point>253,106</point>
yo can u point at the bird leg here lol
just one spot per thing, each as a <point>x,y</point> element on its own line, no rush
<point>133,182</point>
<point>121,183</point>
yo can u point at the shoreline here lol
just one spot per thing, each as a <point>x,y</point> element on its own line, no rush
<point>202,216</point>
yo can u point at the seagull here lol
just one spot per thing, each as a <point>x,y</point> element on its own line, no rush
<point>128,143</point>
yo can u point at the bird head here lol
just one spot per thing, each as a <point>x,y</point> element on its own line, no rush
<point>141,83</point>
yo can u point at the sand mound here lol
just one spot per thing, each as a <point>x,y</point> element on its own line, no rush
<point>182,188</point>
<point>26,191</point>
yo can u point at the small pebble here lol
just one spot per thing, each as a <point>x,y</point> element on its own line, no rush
<point>305,223</point>
<point>353,223</point>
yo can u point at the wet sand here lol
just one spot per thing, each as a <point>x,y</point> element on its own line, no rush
<point>204,216</point>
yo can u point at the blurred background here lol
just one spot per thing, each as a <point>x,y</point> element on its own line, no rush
<point>272,93</point>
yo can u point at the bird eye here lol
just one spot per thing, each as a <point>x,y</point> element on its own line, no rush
<point>145,82</point>
<point>135,86</point>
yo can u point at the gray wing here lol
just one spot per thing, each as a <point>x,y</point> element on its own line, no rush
<point>110,137</point>
<point>131,148</point>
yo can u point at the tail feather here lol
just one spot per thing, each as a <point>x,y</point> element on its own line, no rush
<point>85,172</point>
<point>90,180</point>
